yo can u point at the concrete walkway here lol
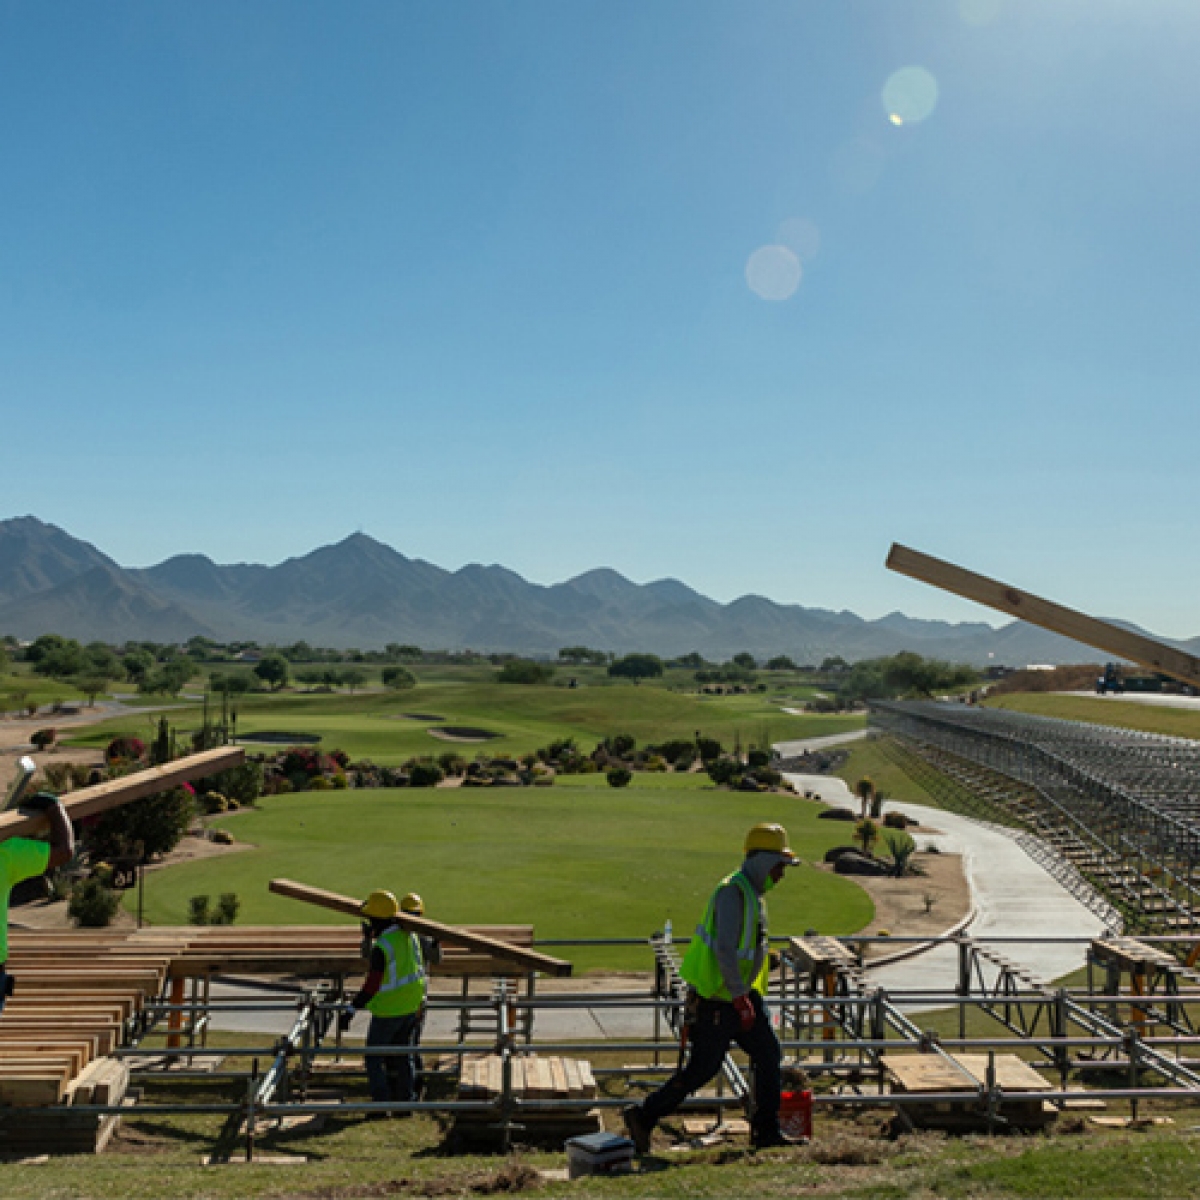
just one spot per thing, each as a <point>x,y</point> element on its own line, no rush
<point>1012,895</point>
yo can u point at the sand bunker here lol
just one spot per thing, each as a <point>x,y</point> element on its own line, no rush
<point>463,733</point>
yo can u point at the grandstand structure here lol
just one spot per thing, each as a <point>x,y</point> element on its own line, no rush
<point>1113,813</point>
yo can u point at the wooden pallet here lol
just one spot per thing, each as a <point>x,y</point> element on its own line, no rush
<point>932,1073</point>
<point>543,1079</point>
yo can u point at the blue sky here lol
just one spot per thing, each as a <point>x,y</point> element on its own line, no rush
<point>481,279</point>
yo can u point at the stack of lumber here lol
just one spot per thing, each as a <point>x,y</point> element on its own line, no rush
<point>967,1074</point>
<point>544,1079</point>
<point>76,996</point>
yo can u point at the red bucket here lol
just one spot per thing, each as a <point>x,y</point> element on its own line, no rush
<point>795,1114</point>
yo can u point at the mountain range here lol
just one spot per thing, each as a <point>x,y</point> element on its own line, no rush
<point>362,593</point>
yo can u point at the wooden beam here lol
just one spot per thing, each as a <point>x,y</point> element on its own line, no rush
<point>1112,639</point>
<point>531,960</point>
<point>86,802</point>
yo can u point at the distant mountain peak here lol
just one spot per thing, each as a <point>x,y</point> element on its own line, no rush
<point>362,592</point>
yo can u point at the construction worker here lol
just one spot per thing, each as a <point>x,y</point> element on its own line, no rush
<point>431,954</point>
<point>394,994</point>
<point>726,967</point>
<point>23,858</point>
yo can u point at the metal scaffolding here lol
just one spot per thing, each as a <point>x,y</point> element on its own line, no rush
<point>1114,814</point>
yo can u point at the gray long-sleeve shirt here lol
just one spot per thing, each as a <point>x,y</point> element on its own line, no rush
<point>729,912</point>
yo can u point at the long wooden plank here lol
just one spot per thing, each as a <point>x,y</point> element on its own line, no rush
<point>1146,652</point>
<point>88,801</point>
<point>530,959</point>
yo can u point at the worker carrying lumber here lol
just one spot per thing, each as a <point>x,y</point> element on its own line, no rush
<point>431,954</point>
<point>23,858</point>
<point>726,967</point>
<point>394,994</point>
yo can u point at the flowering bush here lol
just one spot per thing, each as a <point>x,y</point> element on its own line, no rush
<point>125,749</point>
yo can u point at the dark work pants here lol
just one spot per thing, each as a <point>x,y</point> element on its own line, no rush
<point>391,1077</point>
<point>717,1027</point>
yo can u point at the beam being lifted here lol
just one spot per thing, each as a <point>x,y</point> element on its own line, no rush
<point>88,801</point>
<point>530,960</point>
<point>1112,639</point>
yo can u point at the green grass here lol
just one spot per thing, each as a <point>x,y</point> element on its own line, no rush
<point>21,687</point>
<point>1150,718</point>
<point>371,725</point>
<point>350,1158</point>
<point>867,760</point>
<point>578,861</point>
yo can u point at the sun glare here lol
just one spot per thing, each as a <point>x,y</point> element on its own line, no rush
<point>909,95</point>
<point>773,272</point>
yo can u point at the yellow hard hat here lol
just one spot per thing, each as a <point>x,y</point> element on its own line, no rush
<point>380,905</point>
<point>412,903</point>
<point>767,836</point>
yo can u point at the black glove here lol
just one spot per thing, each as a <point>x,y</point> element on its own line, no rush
<point>39,802</point>
<point>345,1017</point>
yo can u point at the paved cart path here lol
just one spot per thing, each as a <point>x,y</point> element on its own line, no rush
<point>1013,897</point>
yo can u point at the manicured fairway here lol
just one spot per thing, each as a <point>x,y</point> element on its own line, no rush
<point>373,725</point>
<point>579,861</point>
<point>1123,714</point>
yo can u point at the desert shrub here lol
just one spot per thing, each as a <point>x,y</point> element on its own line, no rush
<point>244,783</point>
<point>723,770</point>
<point>93,904</point>
<point>158,822</point>
<point>57,776</point>
<point>708,749</point>
<point>895,820</point>
<point>340,783</point>
<point>213,802</point>
<point>198,910</point>
<point>228,906</point>
<point>767,777</point>
<point>900,846</point>
<point>758,758</point>
<point>222,837</point>
<point>320,783</point>
<point>82,774</point>
<point>654,763</point>
<point>619,777</point>
<point>43,738</point>
<point>676,749</point>
<point>618,745</point>
<point>425,775</point>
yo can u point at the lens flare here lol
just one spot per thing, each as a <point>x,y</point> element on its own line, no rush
<point>909,95</point>
<point>773,272</point>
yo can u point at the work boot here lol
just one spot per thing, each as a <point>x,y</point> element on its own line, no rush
<point>638,1128</point>
<point>766,1139</point>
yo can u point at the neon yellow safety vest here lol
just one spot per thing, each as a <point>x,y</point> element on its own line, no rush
<point>700,966</point>
<point>403,989</point>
